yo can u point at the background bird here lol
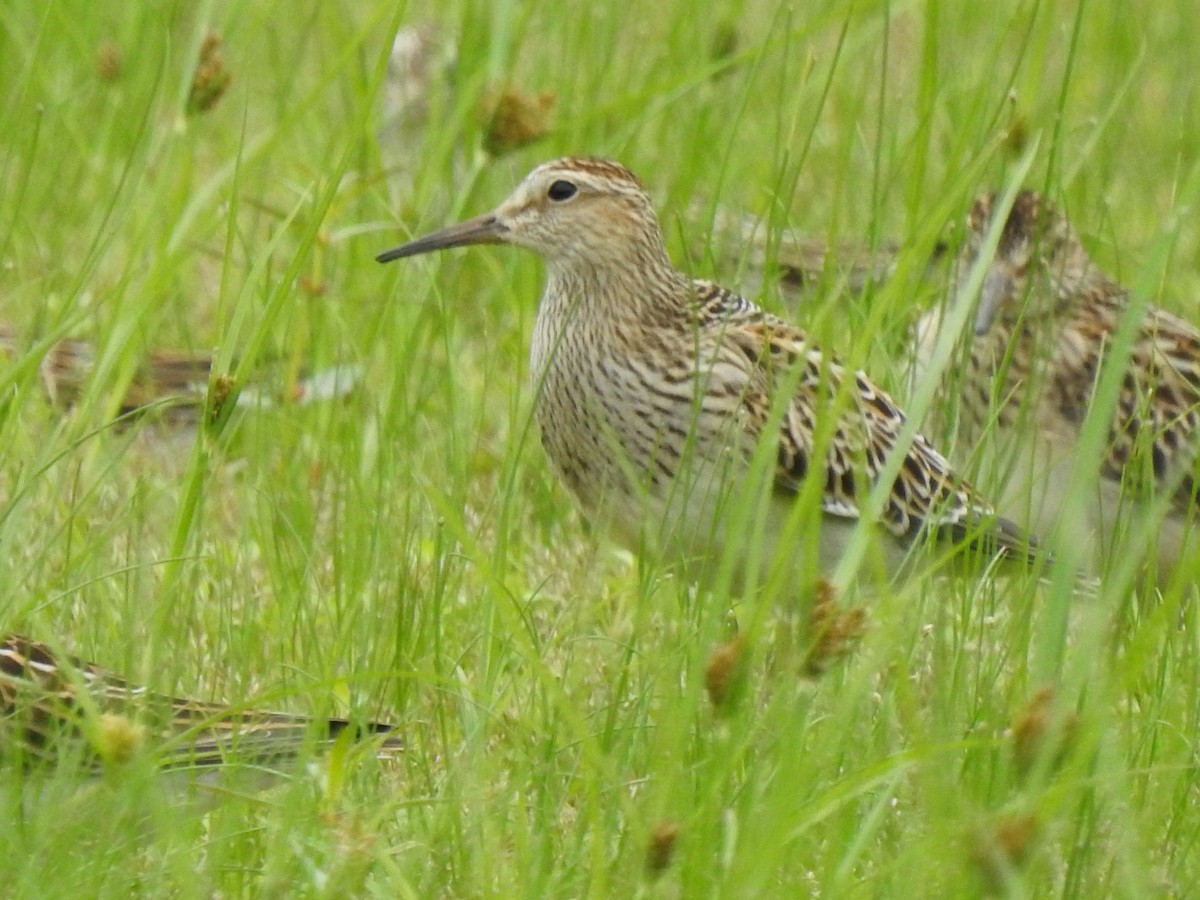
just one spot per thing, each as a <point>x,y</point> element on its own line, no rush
<point>55,708</point>
<point>1045,326</point>
<point>173,382</point>
<point>654,391</point>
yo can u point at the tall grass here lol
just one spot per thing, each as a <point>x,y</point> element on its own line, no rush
<point>406,555</point>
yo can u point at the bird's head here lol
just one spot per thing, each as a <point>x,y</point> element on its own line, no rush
<point>579,214</point>
<point>1039,260</point>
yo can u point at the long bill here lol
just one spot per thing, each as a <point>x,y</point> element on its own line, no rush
<point>485,229</point>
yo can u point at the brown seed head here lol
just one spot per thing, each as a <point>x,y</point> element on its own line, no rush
<point>512,120</point>
<point>725,675</point>
<point>211,79</point>
<point>219,396</point>
<point>834,630</point>
<point>1042,732</point>
<point>1004,845</point>
<point>108,61</point>
<point>723,44</point>
<point>661,848</point>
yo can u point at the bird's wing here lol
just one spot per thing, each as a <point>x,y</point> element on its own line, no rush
<point>40,708</point>
<point>926,494</point>
<point>1156,435</point>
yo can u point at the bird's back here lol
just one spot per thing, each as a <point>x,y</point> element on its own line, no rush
<point>655,425</point>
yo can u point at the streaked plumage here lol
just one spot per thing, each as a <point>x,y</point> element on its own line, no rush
<point>1046,321</point>
<point>654,389</point>
<point>54,708</point>
<point>173,382</point>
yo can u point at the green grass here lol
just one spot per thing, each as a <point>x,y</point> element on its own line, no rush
<point>406,555</point>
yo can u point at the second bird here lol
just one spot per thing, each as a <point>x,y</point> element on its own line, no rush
<point>666,404</point>
<point>1047,328</point>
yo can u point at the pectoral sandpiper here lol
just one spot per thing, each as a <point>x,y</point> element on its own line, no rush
<point>175,383</point>
<point>54,708</point>
<point>655,390</point>
<point>1046,324</point>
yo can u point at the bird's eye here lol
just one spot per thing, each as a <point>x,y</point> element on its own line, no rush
<point>561,190</point>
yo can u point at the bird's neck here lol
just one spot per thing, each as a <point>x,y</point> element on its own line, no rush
<point>598,297</point>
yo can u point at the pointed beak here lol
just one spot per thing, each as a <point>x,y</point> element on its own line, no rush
<point>480,230</point>
<point>996,288</point>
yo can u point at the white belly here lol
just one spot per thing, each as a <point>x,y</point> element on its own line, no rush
<point>724,526</point>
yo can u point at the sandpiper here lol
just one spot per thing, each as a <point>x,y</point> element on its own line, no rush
<point>54,708</point>
<point>173,383</point>
<point>1046,322</point>
<point>659,395</point>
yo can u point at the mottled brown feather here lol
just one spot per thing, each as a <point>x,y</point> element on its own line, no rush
<point>42,715</point>
<point>1055,323</point>
<point>651,384</point>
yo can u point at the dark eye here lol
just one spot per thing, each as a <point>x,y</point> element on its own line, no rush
<point>561,190</point>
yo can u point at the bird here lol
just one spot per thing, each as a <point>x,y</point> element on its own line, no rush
<point>57,708</point>
<point>655,392</point>
<point>799,264</point>
<point>1045,326</point>
<point>173,383</point>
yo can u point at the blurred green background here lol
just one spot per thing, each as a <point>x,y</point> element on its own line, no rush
<point>219,176</point>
